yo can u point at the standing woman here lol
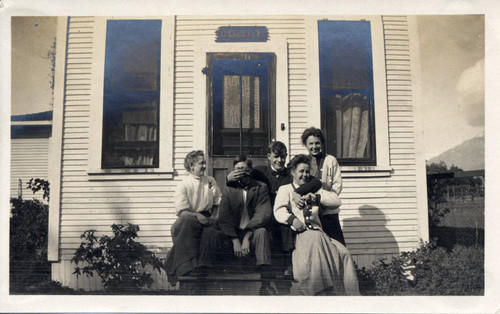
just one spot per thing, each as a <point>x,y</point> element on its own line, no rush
<point>326,168</point>
<point>196,199</point>
<point>321,265</point>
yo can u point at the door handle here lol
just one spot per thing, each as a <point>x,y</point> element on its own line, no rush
<point>282,127</point>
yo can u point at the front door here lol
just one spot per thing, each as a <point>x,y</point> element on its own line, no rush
<point>242,109</point>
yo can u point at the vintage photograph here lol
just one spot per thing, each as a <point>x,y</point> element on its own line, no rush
<point>247,155</point>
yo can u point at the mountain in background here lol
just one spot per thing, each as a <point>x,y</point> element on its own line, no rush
<point>468,156</point>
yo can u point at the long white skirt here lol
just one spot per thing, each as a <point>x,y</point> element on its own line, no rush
<point>321,263</point>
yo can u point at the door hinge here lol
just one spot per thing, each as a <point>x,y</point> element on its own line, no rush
<point>205,70</point>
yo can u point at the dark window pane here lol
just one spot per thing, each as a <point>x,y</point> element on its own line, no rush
<point>346,87</point>
<point>131,94</point>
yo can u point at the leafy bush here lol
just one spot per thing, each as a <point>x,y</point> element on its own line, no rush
<point>117,259</point>
<point>37,184</point>
<point>436,272</point>
<point>28,243</point>
<point>47,286</point>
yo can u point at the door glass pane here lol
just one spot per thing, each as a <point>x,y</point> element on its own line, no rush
<point>251,103</point>
<point>231,102</point>
<point>234,93</point>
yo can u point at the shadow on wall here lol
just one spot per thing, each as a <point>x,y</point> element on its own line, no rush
<point>368,233</point>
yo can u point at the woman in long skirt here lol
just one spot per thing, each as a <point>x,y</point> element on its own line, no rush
<point>321,265</point>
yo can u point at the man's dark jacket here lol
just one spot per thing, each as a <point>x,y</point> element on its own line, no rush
<point>273,179</point>
<point>231,208</point>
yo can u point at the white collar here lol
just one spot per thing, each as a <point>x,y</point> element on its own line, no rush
<point>194,176</point>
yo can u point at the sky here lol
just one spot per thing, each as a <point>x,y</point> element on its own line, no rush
<point>452,75</point>
<point>452,69</point>
<point>32,38</point>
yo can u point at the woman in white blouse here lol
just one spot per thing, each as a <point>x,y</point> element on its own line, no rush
<point>321,265</point>
<point>196,199</point>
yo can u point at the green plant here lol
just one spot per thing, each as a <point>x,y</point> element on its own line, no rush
<point>28,263</point>
<point>37,184</point>
<point>28,243</point>
<point>365,280</point>
<point>436,272</point>
<point>47,286</point>
<point>117,259</point>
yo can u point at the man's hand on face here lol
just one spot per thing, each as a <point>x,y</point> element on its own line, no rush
<point>236,175</point>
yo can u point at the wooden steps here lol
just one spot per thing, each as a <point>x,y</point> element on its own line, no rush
<point>238,276</point>
<point>233,284</point>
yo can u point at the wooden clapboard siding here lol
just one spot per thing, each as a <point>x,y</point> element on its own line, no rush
<point>29,159</point>
<point>63,272</point>
<point>379,229</point>
<point>297,90</point>
<point>76,117</point>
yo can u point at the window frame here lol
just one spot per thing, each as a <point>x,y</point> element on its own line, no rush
<point>382,166</point>
<point>165,131</point>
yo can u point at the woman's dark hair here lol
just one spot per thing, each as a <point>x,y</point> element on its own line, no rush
<point>299,159</point>
<point>312,131</point>
<point>240,158</point>
<point>192,158</point>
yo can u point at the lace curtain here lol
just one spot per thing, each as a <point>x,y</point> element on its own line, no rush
<point>352,125</point>
<point>234,95</point>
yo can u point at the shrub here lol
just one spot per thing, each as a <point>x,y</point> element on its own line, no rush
<point>37,184</point>
<point>366,282</point>
<point>47,286</point>
<point>436,272</point>
<point>28,244</point>
<point>117,259</point>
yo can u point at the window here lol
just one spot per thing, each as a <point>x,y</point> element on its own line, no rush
<point>346,91</point>
<point>130,130</point>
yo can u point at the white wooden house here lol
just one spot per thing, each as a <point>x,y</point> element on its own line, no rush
<point>29,151</point>
<point>134,95</point>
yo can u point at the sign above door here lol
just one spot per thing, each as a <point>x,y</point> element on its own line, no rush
<point>241,34</point>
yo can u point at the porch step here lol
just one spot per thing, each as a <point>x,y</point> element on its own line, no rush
<point>232,284</point>
<point>238,276</point>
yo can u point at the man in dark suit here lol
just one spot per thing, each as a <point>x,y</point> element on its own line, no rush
<point>274,175</point>
<point>244,214</point>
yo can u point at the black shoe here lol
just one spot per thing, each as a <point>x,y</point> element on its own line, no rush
<point>198,272</point>
<point>267,289</point>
